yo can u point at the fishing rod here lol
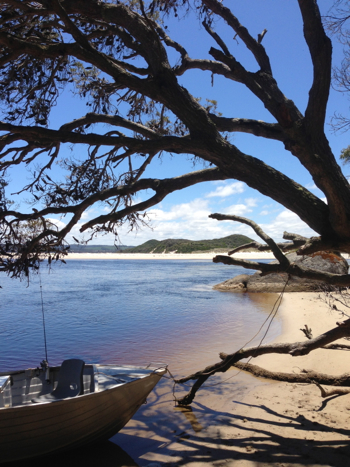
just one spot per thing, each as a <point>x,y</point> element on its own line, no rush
<point>44,363</point>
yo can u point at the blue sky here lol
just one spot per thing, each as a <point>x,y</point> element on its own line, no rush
<point>185,214</point>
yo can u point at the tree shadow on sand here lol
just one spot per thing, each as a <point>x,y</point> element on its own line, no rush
<point>207,436</point>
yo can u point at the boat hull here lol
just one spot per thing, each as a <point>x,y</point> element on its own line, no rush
<point>39,429</point>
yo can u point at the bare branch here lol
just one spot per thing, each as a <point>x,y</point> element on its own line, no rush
<point>254,46</point>
<point>162,189</point>
<point>295,349</point>
<point>297,242</point>
<point>266,268</point>
<point>254,127</point>
<point>260,247</point>
<point>321,53</point>
<point>216,37</point>
<point>283,260</point>
<point>306,376</point>
<point>261,36</point>
<point>115,120</point>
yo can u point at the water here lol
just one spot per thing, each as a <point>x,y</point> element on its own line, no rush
<point>128,311</point>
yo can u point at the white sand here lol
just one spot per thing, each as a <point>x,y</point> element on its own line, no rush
<point>139,256</point>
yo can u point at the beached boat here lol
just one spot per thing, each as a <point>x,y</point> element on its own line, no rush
<point>65,407</point>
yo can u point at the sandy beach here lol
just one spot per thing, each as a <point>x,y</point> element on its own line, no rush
<point>244,421</point>
<point>167,256</point>
<point>262,423</point>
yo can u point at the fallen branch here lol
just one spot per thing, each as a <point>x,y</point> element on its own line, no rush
<point>294,349</point>
<point>332,392</point>
<point>306,376</point>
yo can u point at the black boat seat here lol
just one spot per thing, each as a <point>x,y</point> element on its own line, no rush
<point>69,382</point>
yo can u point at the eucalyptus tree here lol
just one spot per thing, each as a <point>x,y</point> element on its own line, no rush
<point>118,56</point>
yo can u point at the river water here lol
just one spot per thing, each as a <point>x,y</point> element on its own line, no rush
<point>128,311</point>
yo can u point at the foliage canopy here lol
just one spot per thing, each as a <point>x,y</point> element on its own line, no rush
<point>119,58</point>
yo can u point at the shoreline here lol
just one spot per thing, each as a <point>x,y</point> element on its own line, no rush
<point>164,256</point>
<point>262,422</point>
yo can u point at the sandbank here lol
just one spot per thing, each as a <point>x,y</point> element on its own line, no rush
<point>250,422</point>
<point>165,256</point>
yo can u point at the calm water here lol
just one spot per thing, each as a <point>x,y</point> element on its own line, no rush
<point>120,311</point>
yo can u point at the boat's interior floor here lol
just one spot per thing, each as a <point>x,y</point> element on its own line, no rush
<point>20,388</point>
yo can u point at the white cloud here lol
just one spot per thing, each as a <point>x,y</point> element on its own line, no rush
<point>58,223</point>
<point>196,209</point>
<point>287,221</point>
<point>227,190</point>
<point>187,220</point>
<point>87,214</point>
<point>237,209</point>
<point>251,202</point>
<point>190,220</point>
<point>311,186</point>
<point>242,208</point>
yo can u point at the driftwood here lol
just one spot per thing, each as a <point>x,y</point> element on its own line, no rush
<point>306,376</point>
<point>332,392</point>
<point>294,349</point>
<point>341,382</point>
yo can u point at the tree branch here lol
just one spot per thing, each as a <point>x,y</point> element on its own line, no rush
<point>253,127</point>
<point>216,38</point>
<point>339,280</point>
<point>260,247</point>
<point>115,120</point>
<point>47,136</point>
<point>294,349</point>
<point>254,46</point>
<point>306,376</point>
<point>297,242</point>
<point>283,260</point>
<point>320,48</point>
<point>162,189</point>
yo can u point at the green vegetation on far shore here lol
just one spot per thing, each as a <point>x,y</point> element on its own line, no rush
<point>190,246</point>
<point>178,245</point>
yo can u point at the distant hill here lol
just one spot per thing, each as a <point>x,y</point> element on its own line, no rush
<point>190,246</point>
<point>97,248</point>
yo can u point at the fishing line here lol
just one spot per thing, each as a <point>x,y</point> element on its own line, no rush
<point>270,318</point>
<point>43,315</point>
<point>271,315</point>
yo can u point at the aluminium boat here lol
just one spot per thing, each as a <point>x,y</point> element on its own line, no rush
<point>44,410</point>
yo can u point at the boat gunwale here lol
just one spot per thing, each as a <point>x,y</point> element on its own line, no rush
<point>160,371</point>
<point>151,366</point>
